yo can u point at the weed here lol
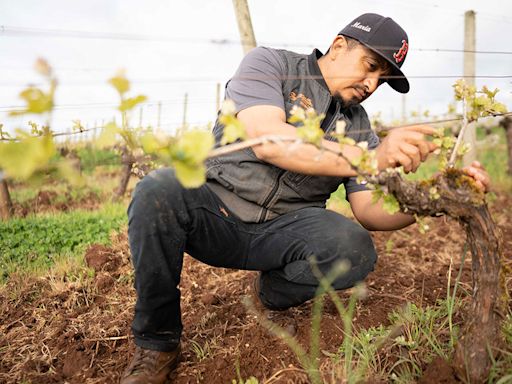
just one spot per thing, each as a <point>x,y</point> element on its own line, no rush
<point>389,245</point>
<point>37,242</point>
<point>201,352</point>
<point>250,380</point>
<point>91,157</point>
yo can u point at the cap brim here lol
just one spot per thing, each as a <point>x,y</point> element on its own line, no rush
<point>398,81</point>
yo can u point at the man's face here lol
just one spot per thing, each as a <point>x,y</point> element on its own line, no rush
<point>356,75</point>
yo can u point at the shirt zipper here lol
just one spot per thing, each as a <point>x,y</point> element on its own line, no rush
<point>272,193</point>
<point>270,196</point>
<point>326,123</point>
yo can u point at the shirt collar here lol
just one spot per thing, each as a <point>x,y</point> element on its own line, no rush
<point>314,69</point>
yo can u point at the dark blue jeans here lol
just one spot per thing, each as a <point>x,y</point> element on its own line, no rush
<point>166,220</point>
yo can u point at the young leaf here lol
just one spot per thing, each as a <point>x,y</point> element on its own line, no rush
<point>23,158</point>
<point>120,83</point>
<point>233,129</point>
<point>194,146</point>
<point>190,175</point>
<point>43,68</point>
<point>390,204</point>
<point>108,136</point>
<point>310,134</point>
<point>36,100</point>
<point>131,102</point>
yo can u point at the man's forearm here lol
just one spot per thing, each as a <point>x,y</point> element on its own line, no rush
<point>260,121</point>
<point>383,221</point>
<point>373,216</point>
<point>306,158</point>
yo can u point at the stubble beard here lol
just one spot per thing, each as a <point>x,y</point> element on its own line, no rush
<point>346,103</point>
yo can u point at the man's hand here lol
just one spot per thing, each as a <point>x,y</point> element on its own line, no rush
<point>405,147</point>
<point>478,172</point>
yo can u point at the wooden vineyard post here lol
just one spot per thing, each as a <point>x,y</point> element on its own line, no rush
<point>506,123</point>
<point>469,76</point>
<point>5,201</point>
<point>243,17</point>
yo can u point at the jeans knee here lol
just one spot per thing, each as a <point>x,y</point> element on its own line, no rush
<point>361,256</point>
<point>364,249</point>
<point>158,182</point>
<point>155,193</point>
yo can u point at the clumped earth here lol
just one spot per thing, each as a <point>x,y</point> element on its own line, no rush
<point>75,328</point>
<point>51,201</point>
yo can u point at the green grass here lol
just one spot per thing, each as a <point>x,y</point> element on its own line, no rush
<point>91,157</point>
<point>36,242</point>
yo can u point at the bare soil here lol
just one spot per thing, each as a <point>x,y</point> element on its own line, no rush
<point>76,328</point>
<point>51,201</point>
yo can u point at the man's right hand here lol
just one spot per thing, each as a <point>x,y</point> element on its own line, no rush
<point>405,147</point>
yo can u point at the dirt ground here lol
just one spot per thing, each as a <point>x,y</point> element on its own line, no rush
<point>75,328</point>
<point>51,201</point>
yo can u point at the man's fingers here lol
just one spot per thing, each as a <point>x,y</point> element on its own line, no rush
<point>403,160</point>
<point>424,149</point>
<point>425,129</point>
<point>413,153</point>
<point>419,139</point>
<point>431,146</point>
<point>477,164</point>
<point>479,174</point>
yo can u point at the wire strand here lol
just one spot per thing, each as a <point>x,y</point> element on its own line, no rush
<point>386,128</point>
<point>39,32</point>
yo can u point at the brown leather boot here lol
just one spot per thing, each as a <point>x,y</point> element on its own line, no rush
<point>150,367</point>
<point>276,315</point>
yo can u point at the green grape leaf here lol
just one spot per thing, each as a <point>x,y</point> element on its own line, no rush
<point>21,159</point>
<point>108,136</point>
<point>310,134</point>
<point>390,204</point>
<point>194,146</point>
<point>150,144</point>
<point>297,114</point>
<point>489,93</point>
<point>120,83</point>
<point>498,108</point>
<point>346,141</point>
<point>188,155</point>
<point>189,175</point>
<point>377,194</point>
<point>293,119</point>
<point>481,102</point>
<point>131,102</point>
<point>37,102</point>
<point>233,129</point>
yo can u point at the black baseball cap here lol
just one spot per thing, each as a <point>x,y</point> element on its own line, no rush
<point>386,38</point>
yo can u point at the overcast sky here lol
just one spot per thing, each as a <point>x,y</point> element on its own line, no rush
<point>170,48</point>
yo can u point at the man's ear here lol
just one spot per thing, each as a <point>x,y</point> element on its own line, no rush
<point>338,45</point>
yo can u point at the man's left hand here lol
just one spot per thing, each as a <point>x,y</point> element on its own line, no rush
<point>478,172</point>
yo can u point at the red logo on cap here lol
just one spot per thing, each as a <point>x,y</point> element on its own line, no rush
<point>400,55</point>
